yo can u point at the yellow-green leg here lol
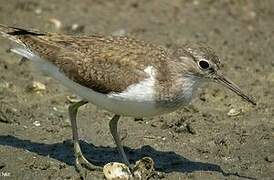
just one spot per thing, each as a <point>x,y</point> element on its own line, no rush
<point>113,129</point>
<point>80,160</point>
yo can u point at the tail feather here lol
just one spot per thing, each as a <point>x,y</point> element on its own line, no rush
<point>5,31</point>
<point>23,52</point>
<point>14,33</point>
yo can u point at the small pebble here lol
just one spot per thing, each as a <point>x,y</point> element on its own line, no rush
<point>269,158</point>
<point>234,112</point>
<point>56,22</point>
<point>76,28</point>
<point>252,15</point>
<point>38,11</point>
<point>196,3</point>
<point>36,86</point>
<point>36,123</point>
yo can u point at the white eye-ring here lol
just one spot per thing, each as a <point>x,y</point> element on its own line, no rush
<point>204,64</point>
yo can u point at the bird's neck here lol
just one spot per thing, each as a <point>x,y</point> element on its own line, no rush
<point>188,87</point>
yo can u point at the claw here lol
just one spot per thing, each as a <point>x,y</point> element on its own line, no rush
<point>82,171</point>
<point>83,162</point>
<point>82,165</point>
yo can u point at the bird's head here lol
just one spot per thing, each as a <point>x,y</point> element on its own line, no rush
<point>200,62</point>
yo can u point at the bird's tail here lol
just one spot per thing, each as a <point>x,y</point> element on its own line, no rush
<point>10,33</point>
<point>18,35</point>
<point>14,33</point>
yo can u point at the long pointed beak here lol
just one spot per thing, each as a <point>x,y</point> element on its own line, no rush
<point>233,87</point>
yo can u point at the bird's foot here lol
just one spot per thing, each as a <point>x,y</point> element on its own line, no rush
<point>82,165</point>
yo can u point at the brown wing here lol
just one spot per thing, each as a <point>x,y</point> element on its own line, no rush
<point>100,75</point>
<point>102,64</point>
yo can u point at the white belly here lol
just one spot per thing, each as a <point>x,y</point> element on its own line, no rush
<point>117,106</point>
<point>123,107</point>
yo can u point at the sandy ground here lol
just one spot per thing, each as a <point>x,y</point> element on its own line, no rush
<point>199,142</point>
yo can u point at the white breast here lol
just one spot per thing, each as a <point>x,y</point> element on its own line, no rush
<point>141,92</point>
<point>189,87</point>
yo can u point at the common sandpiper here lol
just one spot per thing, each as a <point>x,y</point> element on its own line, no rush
<point>123,75</point>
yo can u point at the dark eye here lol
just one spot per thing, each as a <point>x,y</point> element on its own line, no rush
<point>203,64</point>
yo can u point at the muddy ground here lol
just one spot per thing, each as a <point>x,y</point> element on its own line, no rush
<point>206,140</point>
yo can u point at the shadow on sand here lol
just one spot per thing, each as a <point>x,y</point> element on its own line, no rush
<point>164,161</point>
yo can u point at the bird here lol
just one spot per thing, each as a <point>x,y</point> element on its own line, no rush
<point>121,74</point>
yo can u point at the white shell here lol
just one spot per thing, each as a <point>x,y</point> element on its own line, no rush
<point>115,171</point>
<point>142,170</point>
